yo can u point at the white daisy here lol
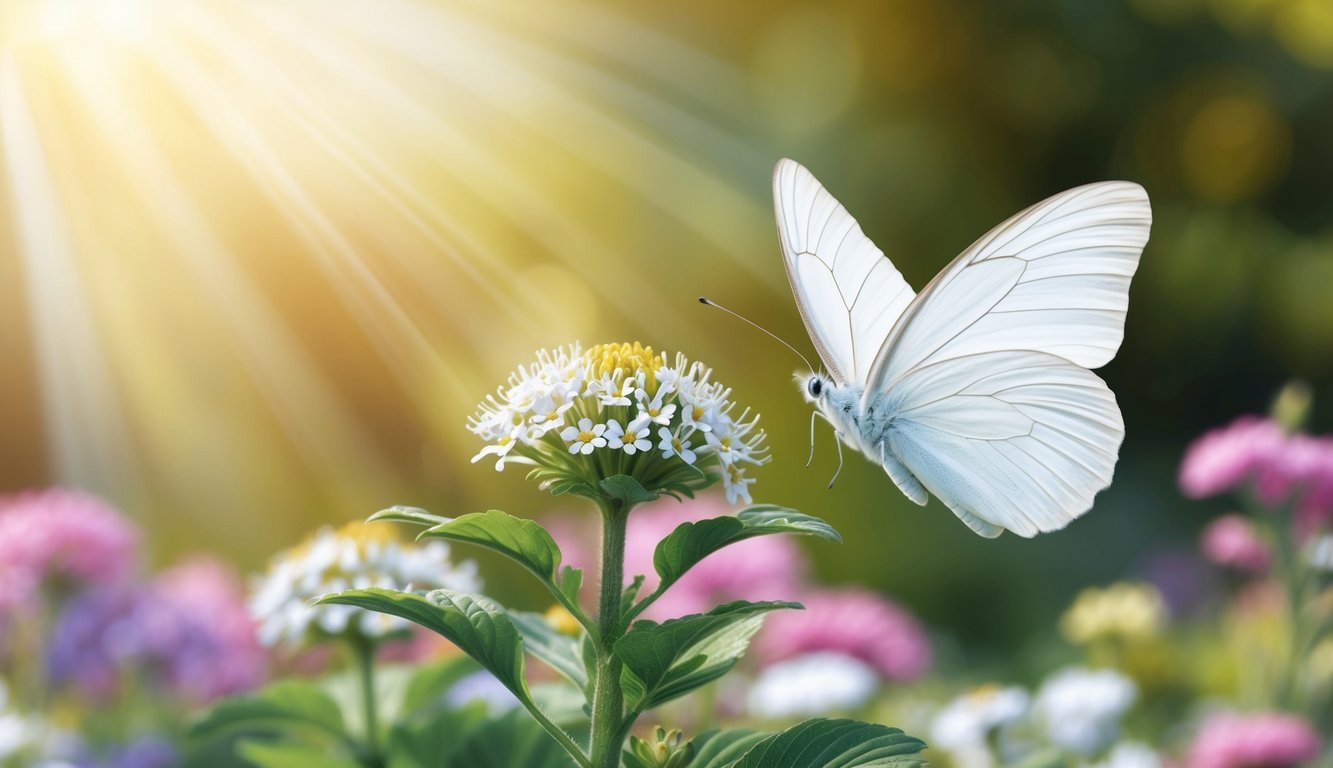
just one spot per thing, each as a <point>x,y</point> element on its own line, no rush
<point>633,438</point>
<point>585,437</point>
<point>675,445</point>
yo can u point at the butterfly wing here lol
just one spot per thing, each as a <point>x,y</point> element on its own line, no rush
<point>994,410</point>
<point>1009,439</point>
<point>1054,278</point>
<point>848,293</point>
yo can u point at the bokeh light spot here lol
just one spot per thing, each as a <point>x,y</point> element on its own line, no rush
<point>807,64</point>
<point>1305,28</point>
<point>1234,147</point>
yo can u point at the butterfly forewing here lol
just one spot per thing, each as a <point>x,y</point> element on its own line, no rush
<point>848,293</point>
<point>1054,278</point>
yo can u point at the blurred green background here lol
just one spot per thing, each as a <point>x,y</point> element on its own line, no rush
<point>259,260</point>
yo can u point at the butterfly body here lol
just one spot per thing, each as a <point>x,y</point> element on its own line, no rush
<point>978,390</point>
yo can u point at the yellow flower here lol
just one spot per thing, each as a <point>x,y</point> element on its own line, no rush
<point>1125,611</point>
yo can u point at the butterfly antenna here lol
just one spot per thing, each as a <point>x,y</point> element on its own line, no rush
<point>710,303</point>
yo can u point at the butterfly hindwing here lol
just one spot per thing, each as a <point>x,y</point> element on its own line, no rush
<point>848,293</point>
<point>1007,440</point>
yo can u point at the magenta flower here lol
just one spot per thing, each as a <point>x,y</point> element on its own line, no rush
<point>1224,458</point>
<point>762,568</point>
<point>1232,542</point>
<point>1280,468</point>
<point>853,622</point>
<point>1263,740</point>
<point>60,537</point>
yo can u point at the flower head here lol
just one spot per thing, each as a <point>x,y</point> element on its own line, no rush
<point>356,556</point>
<point>854,622</point>
<point>63,538</point>
<point>812,684</point>
<point>1257,452</point>
<point>581,416</point>
<point>1081,708</point>
<point>1232,542</point>
<point>964,726</point>
<point>1127,611</point>
<point>1263,740</point>
<point>187,633</point>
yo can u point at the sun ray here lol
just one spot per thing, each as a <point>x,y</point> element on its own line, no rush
<point>87,434</point>
<point>318,424</point>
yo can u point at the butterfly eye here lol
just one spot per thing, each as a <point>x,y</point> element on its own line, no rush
<point>815,386</point>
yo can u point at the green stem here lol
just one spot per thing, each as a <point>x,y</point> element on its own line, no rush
<point>363,648</point>
<point>607,700</point>
<point>557,733</point>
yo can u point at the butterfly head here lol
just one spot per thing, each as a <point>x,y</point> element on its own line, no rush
<point>813,386</point>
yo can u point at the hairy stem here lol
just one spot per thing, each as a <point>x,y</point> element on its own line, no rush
<point>608,700</point>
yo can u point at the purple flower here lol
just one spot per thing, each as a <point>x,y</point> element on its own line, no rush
<point>853,622</point>
<point>201,631</point>
<point>146,752</point>
<point>62,537</point>
<point>761,568</point>
<point>1262,740</point>
<point>188,633</point>
<point>1231,541</point>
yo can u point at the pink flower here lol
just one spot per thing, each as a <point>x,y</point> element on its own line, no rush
<point>853,622</point>
<point>761,568</point>
<point>1263,740</point>
<point>1224,458</point>
<point>63,537</point>
<point>1231,541</point>
<point>1281,468</point>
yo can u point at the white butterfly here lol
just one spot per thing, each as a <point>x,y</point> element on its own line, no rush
<point>977,390</point>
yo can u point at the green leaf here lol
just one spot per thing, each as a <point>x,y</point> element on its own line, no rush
<point>571,579</point>
<point>429,684</point>
<point>399,514</point>
<point>511,741</point>
<point>429,742</point>
<point>523,541</point>
<point>718,749</point>
<point>630,593</point>
<point>285,755</point>
<point>284,706</point>
<point>476,624</point>
<point>822,743</point>
<point>560,651</point>
<point>663,661</point>
<point>684,547</point>
<point>626,490</point>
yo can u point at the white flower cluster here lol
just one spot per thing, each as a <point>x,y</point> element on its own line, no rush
<point>812,684</point>
<point>1077,710</point>
<point>625,408</point>
<point>357,556</point>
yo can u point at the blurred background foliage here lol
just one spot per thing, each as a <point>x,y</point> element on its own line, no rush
<point>260,260</point>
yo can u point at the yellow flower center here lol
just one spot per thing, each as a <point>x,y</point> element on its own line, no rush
<point>621,361</point>
<point>586,437</point>
<point>562,620</point>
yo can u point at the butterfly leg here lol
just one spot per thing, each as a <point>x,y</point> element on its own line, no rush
<point>811,460</point>
<point>838,471</point>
